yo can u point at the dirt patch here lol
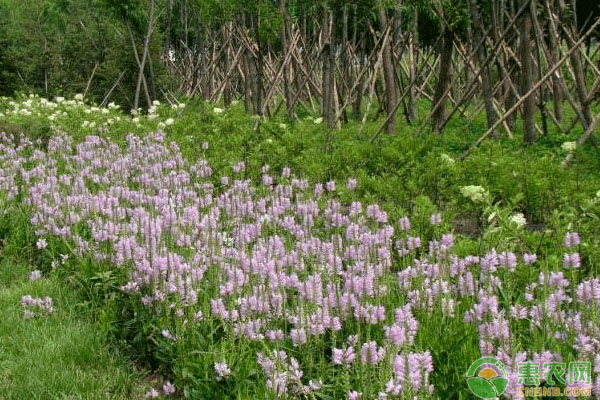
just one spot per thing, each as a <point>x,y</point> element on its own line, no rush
<point>467,224</point>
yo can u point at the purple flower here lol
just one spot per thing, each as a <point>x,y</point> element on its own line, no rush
<point>35,275</point>
<point>507,260</point>
<point>168,388</point>
<point>275,335</point>
<point>42,304</point>
<point>313,386</point>
<point>370,353</point>
<point>298,336</point>
<point>571,260</point>
<point>222,370</point>
<point>352,340</point>
<point>147,300</point>
<point>414,368</point>
<point>353,395</point>
<point>318,189</point>
<point>343,356</point>
<point>338,356</point>
<point>351,184</point>
<point>404,223</point>
<point>529,259</point>
<point>447,241</point>
<point>572,239</point>
<point>435,219</point>
<point>267,180</point>
<point>167,335</point>
<point>239,167</point>
<point>41,244</point>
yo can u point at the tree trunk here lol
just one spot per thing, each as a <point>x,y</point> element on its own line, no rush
<point>168,29</point>
<point>226,63</point>
<point>328,86</point>
<point>513,70</point>
<point>527,72</point>
<point>284,50</point>
<point>249,71</point>
<point>331,68</point>
<point>576,63</point>
<point>259,68</point>
<point>325,66</point>
<point>391,93</point>
<point>413,41</point>
<point>359,52</point>
<point>554,47</point>
<point>344,59</point>
<point>143,61</point>
<point>440,97</point>
<point>486,81</point>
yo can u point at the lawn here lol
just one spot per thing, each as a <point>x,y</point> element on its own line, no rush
<point>243,258</point>
<point>61,355</point>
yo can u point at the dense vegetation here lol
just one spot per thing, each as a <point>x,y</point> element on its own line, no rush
<point>92,182</point>
<point>62,354</point>
<point>462,58</point>
<point>295,198</point>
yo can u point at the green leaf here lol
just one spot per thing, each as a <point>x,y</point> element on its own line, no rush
<point>481,388</point>
<point>500,383</point>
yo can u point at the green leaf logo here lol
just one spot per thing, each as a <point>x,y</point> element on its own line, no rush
<point>487,378</point>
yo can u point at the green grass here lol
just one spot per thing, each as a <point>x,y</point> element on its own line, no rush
<point>57,356</point>
<point>409,174</point>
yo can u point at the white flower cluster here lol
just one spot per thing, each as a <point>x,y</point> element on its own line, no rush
<point>61,112</point>
<point>477,194</point>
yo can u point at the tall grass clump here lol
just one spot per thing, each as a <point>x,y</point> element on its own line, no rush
<point>260,283</point>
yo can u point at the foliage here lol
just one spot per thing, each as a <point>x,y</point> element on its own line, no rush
<point>67,47</point>
<point>63,353</point>
<point>520,201</point>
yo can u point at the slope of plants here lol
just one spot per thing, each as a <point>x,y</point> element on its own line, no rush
<point>243,258</point>
<point>51,344</point>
